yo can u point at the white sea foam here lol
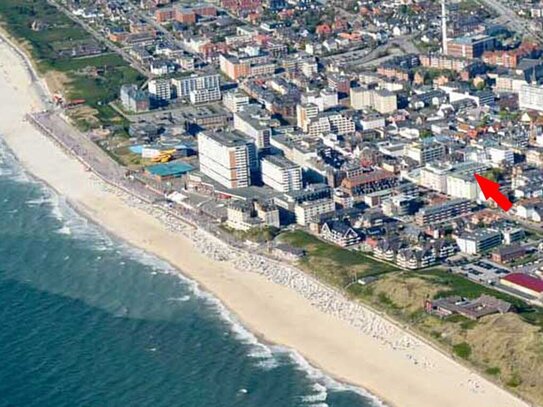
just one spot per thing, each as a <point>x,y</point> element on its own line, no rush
<point>9,166</point>
<point>184,298</point>
<point>64,230</point>
<point>325,381</point>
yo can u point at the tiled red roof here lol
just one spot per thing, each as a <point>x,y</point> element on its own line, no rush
<point>524,280</point>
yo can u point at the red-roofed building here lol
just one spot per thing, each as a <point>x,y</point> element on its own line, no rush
<point>524,283</point>
<point>323,29</point>
<point>511,58</point>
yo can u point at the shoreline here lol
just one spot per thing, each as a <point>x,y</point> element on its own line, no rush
<point>241,291</point>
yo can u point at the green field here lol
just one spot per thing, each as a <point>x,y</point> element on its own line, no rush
<point>97,79</point>
<point>332,263</point>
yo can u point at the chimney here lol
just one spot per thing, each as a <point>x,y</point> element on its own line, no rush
<point>444,27</point>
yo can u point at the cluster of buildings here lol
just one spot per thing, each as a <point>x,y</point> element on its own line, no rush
<point>290,126</point>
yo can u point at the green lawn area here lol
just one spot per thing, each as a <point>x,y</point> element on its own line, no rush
<point>332,263</point>
<point>58,32</point>
<point>256,234</point>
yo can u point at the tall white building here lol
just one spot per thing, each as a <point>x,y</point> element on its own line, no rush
<point>183,86</point>
<point>531,97</point>
<point>235,100</point>
<point>160,89</point>
<point>463,186</point>
<point>361,97</point>
<point>256,123</point>
<point>381,100</point>
<point>304,113</point>
<point>498,155</point>
<point>281,174</point>
<point>455,180</point>
<point>198,96</point>
<point>425,152</point>
<point>331,122</point>
<point>227,158</point>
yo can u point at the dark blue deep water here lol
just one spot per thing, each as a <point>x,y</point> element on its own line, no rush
<point>86,320</point>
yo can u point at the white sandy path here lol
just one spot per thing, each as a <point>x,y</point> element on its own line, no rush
<point>277,313</point>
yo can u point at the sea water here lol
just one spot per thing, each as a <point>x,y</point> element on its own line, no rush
<point>87,320</point>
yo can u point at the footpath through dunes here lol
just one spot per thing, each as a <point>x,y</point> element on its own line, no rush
<point>280,303</point>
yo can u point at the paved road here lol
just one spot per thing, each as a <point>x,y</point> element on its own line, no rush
<point>362,57</point>
<point>511,19</point>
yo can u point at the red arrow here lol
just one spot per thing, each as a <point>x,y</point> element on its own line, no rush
<point>491,189</point>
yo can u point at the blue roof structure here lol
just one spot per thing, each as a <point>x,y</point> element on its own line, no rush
<point>175,169</point>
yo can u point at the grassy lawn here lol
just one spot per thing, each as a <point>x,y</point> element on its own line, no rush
<point>332,263</point>
<point>257,234</point>
<point>97,79</point>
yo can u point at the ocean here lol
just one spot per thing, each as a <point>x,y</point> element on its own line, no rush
<point>87,320</point>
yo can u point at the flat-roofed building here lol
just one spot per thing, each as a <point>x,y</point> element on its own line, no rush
<point>199,96</point>
<point>463,186</point>
<point>227,158</point>
<point>531,97</point>
<point>133,99</point>
<point>384,101</point>
<point>478,241</point>
<point>160,89</point>
<point>470,47</point>
<point>331,122</point>
<point>304,114</point>
<point>524,283</point>
<point>306,211</point>
<point>442,212</point>
<point>235,100</point>
<point>256,123</point>
<point>425,151</point>
<point>183,86</point>
<point>281,174</point>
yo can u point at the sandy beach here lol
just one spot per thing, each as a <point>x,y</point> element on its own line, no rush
<point>274,300</point>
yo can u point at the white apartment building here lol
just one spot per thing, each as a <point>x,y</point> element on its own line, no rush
<point>226,158</point>
<point>329,98</point>
<point>309,67</point>
<point>463,186</point>
<point>478,241</point>
<point>304,114</point>
<point>332,122</point>
<point>434,178</point>
<point>160,89</point>
<point>183,86</point>
<point>361,97</point>
<point>372,121</point>
<point>384,101</point>
<point>234,101</point>
<point>381,100</point>
<point>498,155</point>
<point>305,211</point>
<point>531,97</point>
<point>281,174</point>
<point>198,96</point>
<point>424,152</point>
<point>325,99</point>
<point>256,123</point>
